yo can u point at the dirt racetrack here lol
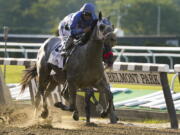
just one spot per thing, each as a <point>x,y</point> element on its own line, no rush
<point>20,120</point>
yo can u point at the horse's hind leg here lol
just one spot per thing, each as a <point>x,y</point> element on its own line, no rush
<point>37,99</point>
<point>43,80</point>
<point>37,102</point>
<point>40,91</point>
<point>51,86</point>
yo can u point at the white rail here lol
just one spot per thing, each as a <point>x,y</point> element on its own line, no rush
<point>17,44</point>
<point>168,49</point>
<point>23,48</point>
<point>147,53</point>
<point>120,51</point>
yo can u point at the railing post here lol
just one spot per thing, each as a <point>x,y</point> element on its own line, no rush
<point>6,29</point>
<point>169,100</point>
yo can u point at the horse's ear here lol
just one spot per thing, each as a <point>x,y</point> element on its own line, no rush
<point>100,15</point>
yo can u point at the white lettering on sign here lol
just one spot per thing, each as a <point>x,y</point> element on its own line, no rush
<point>145,78</point>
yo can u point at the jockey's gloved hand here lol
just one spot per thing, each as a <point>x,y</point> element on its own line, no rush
<point>69,43</point>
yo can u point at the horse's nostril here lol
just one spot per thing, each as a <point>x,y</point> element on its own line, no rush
<point>101,27</point>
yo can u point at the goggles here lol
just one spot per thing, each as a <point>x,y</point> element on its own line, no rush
<point>86,14</point>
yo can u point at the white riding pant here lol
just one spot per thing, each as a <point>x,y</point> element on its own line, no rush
<point>63,33</point>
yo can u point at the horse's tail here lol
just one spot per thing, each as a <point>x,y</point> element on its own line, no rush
<point>29,74</point>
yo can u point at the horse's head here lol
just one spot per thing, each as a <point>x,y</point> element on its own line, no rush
<point>101,27</point>
<point>103,31</point>
<point>106,31</point>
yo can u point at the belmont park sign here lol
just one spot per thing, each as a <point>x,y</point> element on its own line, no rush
<point>128,77</point>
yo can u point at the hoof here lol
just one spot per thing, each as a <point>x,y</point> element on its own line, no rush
<point>117,119</point>
<point>44,114</point>
<point>114,120</point>
<point>75,116</point>
<point>91,124</point>
<point>87,120</point>
<point>103,114</point>
<point>62,106</point>
<point>58,105</point>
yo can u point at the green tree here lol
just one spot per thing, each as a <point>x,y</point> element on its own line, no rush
<point>12,14</point>
<point>36,16</point>
<point>140,16</point>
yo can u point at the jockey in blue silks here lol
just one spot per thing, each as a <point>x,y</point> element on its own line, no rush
<point>76,24</point>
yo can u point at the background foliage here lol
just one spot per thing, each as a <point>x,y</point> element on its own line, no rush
<point>133,16</point>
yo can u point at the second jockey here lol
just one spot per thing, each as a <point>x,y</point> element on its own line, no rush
<point>76,24</point>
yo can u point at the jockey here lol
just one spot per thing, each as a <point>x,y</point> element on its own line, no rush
<point>76,24</point>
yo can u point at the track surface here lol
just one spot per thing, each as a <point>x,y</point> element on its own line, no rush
<point>20,120</point>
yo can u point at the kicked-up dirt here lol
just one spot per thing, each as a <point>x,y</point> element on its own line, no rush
<point>20,120</point>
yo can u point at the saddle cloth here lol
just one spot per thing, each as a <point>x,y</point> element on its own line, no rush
<point>55,57</point>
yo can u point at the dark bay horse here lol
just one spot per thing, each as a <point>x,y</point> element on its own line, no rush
<point>84,69</point>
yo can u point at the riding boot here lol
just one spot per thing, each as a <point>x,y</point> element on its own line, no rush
<point>68,45</point>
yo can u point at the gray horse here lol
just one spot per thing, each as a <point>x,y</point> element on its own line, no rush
<point>84,69</point>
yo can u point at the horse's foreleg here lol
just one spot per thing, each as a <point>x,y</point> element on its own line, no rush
<point>104,88</point>
<point>87,106</point>
<point>72,102</point>
<point>105,96</point>
<point>99,107</point>
<point>111,109</point>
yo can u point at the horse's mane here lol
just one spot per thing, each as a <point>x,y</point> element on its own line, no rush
<point>85,38</point>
